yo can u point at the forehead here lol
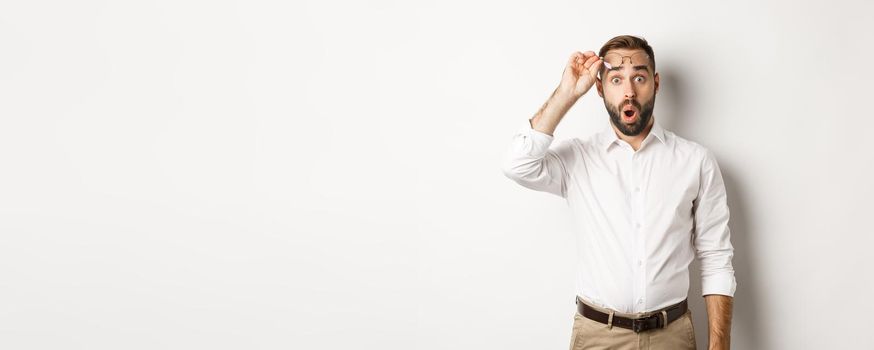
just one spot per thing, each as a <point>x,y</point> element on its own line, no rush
<point>625,52</point>
<point>629,53</point>
<point>625,66</point>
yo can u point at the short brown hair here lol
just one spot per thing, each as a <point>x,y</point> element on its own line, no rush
<point>628,42</point>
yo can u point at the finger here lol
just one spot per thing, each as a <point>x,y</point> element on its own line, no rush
<point>595,68</point>
<point>590,61</point>
<point>579,63</point>
<point>574,57</point>
<point>588,54</point>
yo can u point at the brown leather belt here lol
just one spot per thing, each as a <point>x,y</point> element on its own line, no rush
<point>658,319</point>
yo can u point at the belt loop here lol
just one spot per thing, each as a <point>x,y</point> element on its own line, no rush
<point>610,320</point>
<point>664,318</point>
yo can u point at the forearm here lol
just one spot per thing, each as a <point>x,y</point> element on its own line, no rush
<point>551,113</point>
<point>719,320</point>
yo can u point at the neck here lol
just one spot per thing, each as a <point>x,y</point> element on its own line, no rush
<point>635,141</point>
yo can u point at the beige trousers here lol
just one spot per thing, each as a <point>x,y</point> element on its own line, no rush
<point>589,334</point>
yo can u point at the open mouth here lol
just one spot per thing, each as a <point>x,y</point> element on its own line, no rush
<point>629,112</point>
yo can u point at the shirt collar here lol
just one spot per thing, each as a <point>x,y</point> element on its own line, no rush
<point>609,137</point>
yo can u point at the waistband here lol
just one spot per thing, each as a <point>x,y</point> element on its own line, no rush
<point>621,314</point>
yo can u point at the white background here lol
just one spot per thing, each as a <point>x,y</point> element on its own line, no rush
<point>326,175</point>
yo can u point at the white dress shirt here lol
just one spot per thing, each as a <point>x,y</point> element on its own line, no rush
<point>640,216</point>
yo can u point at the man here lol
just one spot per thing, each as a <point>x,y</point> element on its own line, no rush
<point>645,202</point>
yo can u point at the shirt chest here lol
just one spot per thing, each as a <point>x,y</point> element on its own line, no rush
<point>649,182</point>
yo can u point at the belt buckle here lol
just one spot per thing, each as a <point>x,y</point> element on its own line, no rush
<point>637,325</point>
<point>643,324</point>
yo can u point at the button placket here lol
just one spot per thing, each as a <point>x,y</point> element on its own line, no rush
<point>639,233</point>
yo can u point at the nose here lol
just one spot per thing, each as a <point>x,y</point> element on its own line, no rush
<point>629,91</point>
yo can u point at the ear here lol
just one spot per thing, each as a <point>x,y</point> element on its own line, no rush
<point>656,80</point>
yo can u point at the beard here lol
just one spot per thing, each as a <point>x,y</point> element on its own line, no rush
<point>633,129</point>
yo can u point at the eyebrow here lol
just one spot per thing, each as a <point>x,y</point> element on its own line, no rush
<point>641,67</point>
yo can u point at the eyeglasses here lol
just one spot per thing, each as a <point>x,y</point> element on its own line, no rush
<point>615,60</point>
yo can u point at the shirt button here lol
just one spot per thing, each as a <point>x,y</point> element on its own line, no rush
<point>640,301</point>
<point>637,189</point>
<point>637,224</point>
<point>639,263</point>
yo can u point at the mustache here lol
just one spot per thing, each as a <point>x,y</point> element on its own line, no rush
<point>629,102</point>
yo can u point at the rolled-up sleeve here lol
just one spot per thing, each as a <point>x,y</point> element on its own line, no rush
<point>712,235</point>
<point>530,162</point>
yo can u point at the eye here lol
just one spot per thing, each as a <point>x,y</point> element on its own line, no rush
<point>615,80</point>
<point>639,79</point>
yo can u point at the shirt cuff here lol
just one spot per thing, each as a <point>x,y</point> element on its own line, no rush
<point>722,284</point>
<point>539,141</point>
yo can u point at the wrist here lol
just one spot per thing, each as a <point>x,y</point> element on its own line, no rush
<point>717,343</point>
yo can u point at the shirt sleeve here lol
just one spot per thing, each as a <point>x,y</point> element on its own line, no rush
<point>712,235</point>
<point>530,162</point>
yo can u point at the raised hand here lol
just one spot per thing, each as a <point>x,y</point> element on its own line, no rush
<point>580,73</point>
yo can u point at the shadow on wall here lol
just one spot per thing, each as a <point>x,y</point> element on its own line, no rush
<point>672,107</point>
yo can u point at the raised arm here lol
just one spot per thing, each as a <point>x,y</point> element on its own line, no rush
<point>578,76</point>
<point>529,161</point>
